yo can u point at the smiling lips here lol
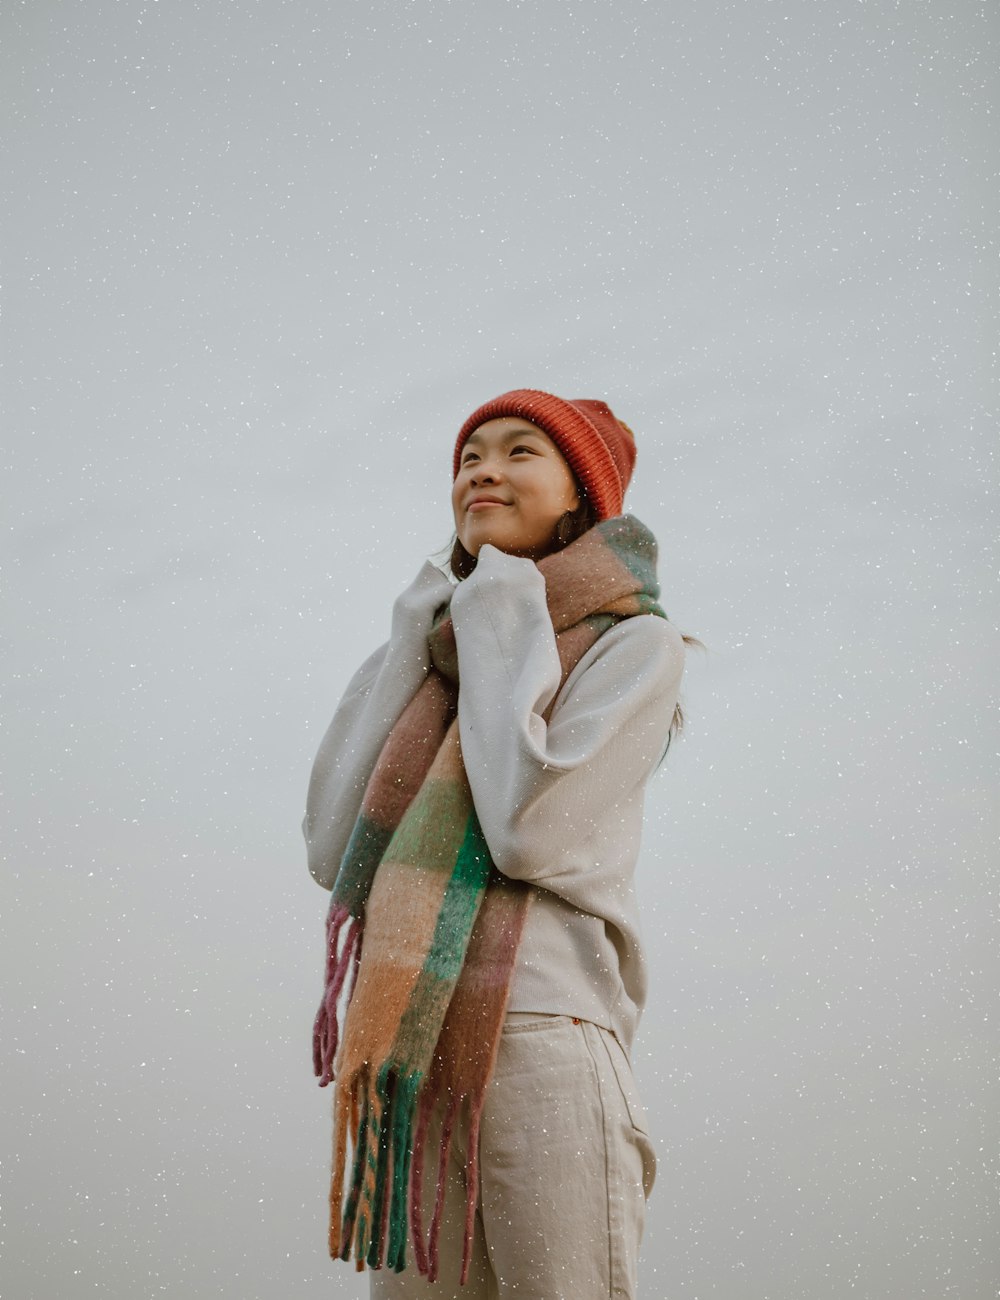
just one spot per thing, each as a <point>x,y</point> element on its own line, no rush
<point>481,502</point>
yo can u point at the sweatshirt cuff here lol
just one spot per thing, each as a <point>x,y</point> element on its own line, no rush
<point>414,608</point>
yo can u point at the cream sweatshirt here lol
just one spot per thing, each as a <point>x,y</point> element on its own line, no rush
<point>560,802</point>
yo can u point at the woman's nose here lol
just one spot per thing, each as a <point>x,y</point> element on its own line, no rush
<point>484,472</point>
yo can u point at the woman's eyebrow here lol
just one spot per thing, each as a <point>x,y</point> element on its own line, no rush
<point>507,437</point>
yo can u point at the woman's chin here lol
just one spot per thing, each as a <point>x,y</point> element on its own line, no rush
<point>476,541</point>
<point>506,545</point>
<point>510,545</point>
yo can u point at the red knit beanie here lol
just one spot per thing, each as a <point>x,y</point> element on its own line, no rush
<point>599,449</point>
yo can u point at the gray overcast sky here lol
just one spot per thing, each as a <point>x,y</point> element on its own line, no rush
<point>260,260</point>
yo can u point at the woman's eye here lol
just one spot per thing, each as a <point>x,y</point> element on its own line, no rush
<point>515,450</point>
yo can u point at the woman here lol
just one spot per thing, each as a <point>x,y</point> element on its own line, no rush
<point>476,807</point>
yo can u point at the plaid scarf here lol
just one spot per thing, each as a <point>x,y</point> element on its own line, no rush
<point>440,929</point>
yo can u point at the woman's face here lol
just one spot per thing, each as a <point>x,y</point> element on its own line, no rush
<point>512,488</point>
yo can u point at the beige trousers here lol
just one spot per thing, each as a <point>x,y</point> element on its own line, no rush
<point>565,1168</point>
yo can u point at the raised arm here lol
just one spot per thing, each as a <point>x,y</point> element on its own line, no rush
<point>375,697</point>
<point>556,799</point>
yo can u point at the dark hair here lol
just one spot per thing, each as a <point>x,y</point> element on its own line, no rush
<point>571,525</point>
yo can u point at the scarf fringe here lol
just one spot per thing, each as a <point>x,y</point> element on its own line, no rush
<point>447,1129</point>
<point>416,1208</point>
<point>471,1188</point>
<point>326,1033</point>
<point>384,1200</point>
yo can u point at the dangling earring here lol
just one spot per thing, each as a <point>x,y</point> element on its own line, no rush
<point>564,528</point>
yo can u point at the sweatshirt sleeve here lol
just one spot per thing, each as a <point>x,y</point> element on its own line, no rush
<point>550,796</point>
<point>375,697</point>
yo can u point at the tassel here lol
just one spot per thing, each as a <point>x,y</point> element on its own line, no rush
<point>417,1184</point>
<point>344,1108</point>
<point>357,1175</point>
<point>402,1133</point>
<point>446,1131</point>
<point>325,1030</point>
<point>358,938</point>
<point>471,1189</point>
<point>385,1088</point>
<point>366,1223</point>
